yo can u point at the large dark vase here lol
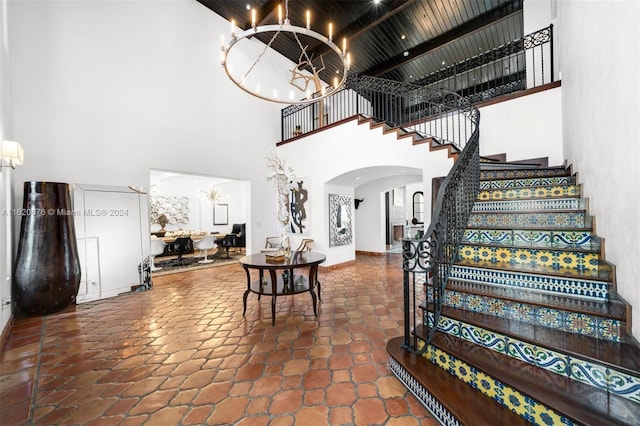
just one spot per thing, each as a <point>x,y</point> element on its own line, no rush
<point>47,268</point>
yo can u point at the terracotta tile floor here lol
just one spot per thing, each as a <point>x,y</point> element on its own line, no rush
<point>183,354</point>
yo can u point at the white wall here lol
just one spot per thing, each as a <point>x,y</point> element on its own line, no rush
<point>331,153</point>
<point>105,91</point>
<point>600,51</point>
<point>526,127</point>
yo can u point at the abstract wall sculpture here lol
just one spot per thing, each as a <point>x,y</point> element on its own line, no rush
<point>298,208</point>
<point>340,227</point>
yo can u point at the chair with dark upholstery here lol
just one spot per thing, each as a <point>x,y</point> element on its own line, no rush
<point>226,243</point>
<point>179,247</point>
<point>239,230</point>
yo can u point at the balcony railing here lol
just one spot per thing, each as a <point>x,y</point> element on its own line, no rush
<point>521,64</point>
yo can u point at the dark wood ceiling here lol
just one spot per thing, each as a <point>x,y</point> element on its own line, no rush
<point>403,40</point>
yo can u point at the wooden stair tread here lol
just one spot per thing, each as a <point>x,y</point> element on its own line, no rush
<point>602,275</point>
<point>623,356</point>
<point>468,405</point>
<point>584,404</point>
<point>613,308</point>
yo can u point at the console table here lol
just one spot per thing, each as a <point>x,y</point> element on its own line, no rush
<point>280,280</point>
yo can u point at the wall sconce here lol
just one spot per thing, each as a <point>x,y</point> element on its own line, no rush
<point>12,152</point>
<point>357,202</point>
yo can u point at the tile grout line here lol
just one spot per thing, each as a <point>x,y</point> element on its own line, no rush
<point>36,375</point>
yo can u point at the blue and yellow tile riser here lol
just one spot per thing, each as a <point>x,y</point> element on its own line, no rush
<point>516,220</point>
<point>522,405</point>
<point>531,192</point>
<point>539,238</point>
<point>599,376</point>
<point>580,261</point>
<point>571,322</point>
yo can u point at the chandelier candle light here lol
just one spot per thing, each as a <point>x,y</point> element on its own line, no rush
<point>305,72</point>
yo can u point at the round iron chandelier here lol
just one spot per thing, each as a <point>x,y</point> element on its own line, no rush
<point>247,67</point>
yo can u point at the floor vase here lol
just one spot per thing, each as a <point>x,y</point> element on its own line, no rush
<point>47,268</point>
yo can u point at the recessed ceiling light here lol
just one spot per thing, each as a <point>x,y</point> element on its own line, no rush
<point>442,62</point>
<point>357,177</point>
<point>248,6</point>
<point>406,53</point>
<point>402,37</point>
<point>376,1</point>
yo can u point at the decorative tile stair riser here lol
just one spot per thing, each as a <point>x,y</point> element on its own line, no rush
<point>527,317</point>
<point>532,238</point>
<point>515,401</point>
<point>580,261</point>
<point>529,192</point>
<point>575,220</point>
<point>527,182</point>
<point>521,173</point>
<point>590,373</point>
<point>589,289</point>
<point>572,322</point>
<point>525,205</point>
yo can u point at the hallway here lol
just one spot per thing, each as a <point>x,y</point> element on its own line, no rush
<point>183,353</point>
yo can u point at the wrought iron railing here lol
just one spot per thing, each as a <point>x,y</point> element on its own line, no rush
<point>426,112</point>
<point>428,260</point>
<point>521,64</point>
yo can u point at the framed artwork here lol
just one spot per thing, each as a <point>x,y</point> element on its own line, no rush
<point>298,208</point>
<point>340,229</point>
<point>220,214</point>
<point>174,209</point>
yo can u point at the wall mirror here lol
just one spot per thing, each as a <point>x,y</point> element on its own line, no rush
<point>418,207</point>
<point>340,232</point>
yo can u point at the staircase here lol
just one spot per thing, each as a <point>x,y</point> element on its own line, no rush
<point>532,330</point>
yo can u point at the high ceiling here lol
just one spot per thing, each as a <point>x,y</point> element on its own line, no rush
<point>403,40</point>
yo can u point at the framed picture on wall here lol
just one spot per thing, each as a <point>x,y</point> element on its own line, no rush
<point>220,214</point>
<point>298,208</point>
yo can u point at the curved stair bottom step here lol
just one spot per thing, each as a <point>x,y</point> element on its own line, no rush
<point>451,401</point>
